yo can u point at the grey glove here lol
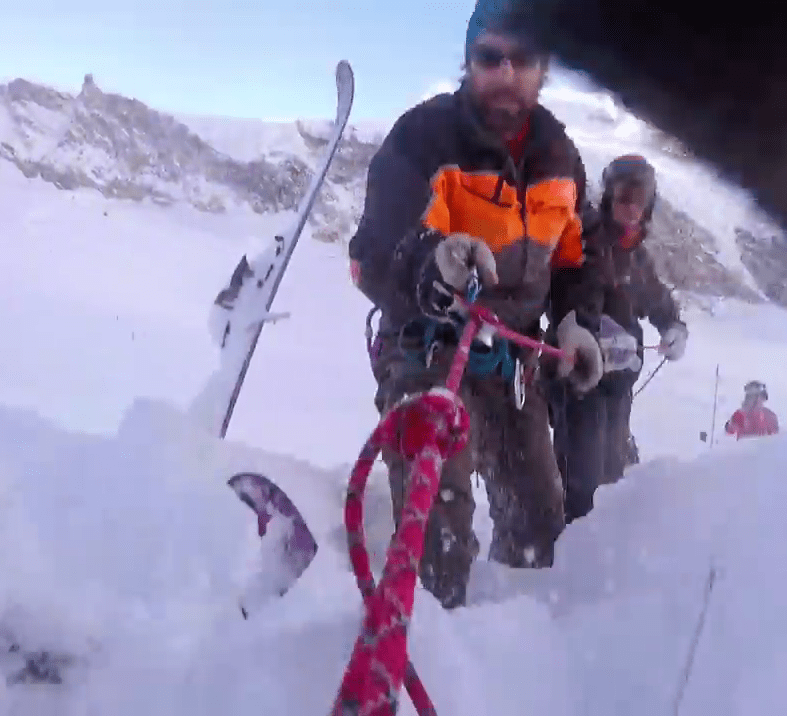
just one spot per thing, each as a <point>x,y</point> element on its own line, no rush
<point>583,364</point>
<point>618,347</point>
<point>458,254</point>
<point>673,341</point>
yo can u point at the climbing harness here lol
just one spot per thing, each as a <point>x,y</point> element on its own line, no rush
<point>426,429</point>
<point>489,354</point>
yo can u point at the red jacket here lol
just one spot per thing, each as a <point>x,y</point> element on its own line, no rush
<point>752,423</point>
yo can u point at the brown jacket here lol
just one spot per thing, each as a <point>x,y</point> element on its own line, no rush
<point>439,171</point>
<point>631,289</point>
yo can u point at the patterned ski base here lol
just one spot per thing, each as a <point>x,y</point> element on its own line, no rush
<point>287,547</point>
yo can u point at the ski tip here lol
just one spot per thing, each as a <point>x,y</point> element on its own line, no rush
<point>261,494</point>
<point>240,478</point>
<point>345,77</point>
<point>243,483</point>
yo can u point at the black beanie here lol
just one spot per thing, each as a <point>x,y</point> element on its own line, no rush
<point>508,17</point>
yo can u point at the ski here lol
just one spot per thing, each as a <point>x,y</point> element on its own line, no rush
<point>287,547</point>
<point>242,309</point>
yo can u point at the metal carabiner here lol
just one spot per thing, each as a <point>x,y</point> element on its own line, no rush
<point>369,331</point>
<point>430,351</point>
<point>519,382</point>
<point>473,287</point>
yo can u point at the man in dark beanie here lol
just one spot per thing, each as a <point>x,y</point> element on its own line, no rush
<point>482,178</point>
<point>505,108</point>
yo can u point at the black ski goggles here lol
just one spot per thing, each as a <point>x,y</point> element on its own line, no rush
<point>489,57</point>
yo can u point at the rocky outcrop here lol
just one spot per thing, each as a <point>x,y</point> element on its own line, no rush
<point>766,259</point>
<point>126,150</point>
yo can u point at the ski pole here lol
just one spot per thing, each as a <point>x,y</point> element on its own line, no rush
<point>649,378</point>
<point>715,400</point>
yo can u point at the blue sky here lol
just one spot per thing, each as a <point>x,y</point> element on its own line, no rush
<point>240,58</point>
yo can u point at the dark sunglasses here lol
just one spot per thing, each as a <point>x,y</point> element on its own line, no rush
<point>489,57</point>
<point>631,192</point>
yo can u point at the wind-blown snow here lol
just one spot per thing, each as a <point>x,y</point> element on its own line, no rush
<point>250,139</point>
<point>603,130</point>
<point>121,543</point>
<point>247,139</point>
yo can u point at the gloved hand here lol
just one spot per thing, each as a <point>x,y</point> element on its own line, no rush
<point>618,347</point>
<point>583,364</point>
<point>458,254</point>
<point>673,341</point>
<point>447,271</point>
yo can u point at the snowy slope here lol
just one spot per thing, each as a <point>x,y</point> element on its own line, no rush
<point>248,139</point>
<point>145,595</point>
<point>121,543</point>
<point>133,287</point>
<point>602,130</point>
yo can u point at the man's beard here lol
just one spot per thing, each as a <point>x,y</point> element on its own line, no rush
<point>505,121</point>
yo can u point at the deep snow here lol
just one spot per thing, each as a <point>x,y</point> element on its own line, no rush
<point>121,543</point>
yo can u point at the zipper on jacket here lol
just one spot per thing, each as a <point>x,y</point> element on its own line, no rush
<point>508,168</point>
<point>498,189</point>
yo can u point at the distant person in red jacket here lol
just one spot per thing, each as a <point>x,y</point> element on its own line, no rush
<point>753,419</point>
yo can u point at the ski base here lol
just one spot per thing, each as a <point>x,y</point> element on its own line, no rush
<point>287,547</point>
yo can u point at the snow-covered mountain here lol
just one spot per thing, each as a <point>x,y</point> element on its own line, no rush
<point>708,240</point>
<point>126,150</point>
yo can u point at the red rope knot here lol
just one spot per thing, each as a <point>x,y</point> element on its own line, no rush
<point>436,419</point>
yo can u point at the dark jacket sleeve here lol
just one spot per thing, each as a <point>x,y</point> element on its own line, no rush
<point>391,243</point>
<point>660,307</point>
<point>580,288</point>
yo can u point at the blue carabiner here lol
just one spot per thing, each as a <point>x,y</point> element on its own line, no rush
<point>473,287</point>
